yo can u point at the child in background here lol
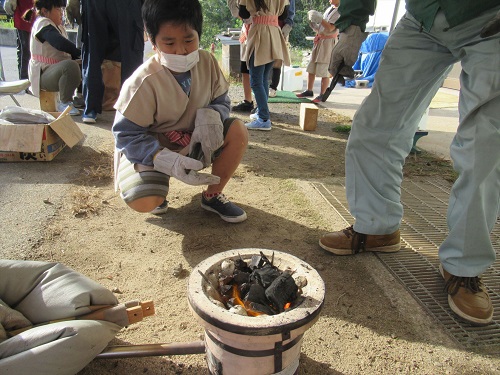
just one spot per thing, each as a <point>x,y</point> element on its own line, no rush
<point>265,44</point>
<point>286,27</point>
<point>17,8</point>
<point>247,104</point>
<point>325,40</point>
<point>52,66</point>
<point>172,117</point>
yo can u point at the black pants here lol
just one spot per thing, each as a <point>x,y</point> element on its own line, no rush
<point>111,29</point>
<point>23,53</point>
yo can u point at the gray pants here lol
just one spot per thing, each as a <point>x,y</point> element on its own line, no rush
<point>64,77</point>
<point>412,68</point>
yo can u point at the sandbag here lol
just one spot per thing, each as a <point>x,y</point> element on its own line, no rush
<point>44,292</point>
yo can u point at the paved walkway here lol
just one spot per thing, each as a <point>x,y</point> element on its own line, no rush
<point>441,123</point>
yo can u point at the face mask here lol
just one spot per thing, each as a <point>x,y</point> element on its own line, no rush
<point>179,63</point>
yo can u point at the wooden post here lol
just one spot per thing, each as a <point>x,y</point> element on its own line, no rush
<point>48,101</point>
<point>308,116</point>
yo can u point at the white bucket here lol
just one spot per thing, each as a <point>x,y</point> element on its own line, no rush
<point>261,345</point>
<point>292,79</point>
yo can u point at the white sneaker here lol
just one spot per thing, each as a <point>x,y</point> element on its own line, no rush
<point>272,93</point>
<point>62,106</point>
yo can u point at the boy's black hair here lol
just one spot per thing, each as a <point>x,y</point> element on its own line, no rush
<point>49,4</point>
<point>180,12</point>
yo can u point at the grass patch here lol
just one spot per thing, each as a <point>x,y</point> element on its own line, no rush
<point>342,128</point>
<point>7,24</point>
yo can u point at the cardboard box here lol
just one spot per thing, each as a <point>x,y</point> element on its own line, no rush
<point>38,142</point>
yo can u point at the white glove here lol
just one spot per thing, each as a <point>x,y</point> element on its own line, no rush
<point>10,6</point>
<point>314,16</point>
<point>182,168</point>
<point>286,30</point>
<point>208,132</point>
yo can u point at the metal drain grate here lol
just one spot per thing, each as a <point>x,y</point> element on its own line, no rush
<point>416,265</point>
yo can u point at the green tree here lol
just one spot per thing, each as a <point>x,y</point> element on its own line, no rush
<point>301,27</point>
<point>216,19</point>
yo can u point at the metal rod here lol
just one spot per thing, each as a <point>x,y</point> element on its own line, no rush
<point>395,16</point>
<point>150,350</point>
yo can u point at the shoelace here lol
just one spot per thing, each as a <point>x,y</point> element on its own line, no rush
<point>222,198</point>
<point>358,241</point>
<point>454,283</point>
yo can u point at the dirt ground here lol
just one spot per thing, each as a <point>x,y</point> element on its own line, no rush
<point>369,323</point>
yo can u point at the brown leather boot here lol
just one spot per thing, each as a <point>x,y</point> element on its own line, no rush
<point>348,241</point>
<point>468,298</point>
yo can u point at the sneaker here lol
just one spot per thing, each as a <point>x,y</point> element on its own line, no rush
<point>272,93</point>
<point>78,102</point>
<point>255,110</point>
<point>259,124</point>
<point>305,94</point>
<point>244,106</point>
<point>161,209</point>
<point>89,118</point>
<point>62,106</point>
<point>318,99</point>
<point>254,116</point>
<point>468,298</point>
<point>348,241</point>
<point>222,206</point>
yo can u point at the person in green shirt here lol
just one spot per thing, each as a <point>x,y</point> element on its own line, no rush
<point>431,37</point>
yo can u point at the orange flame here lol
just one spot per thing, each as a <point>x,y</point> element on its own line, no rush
<point>239,301</point>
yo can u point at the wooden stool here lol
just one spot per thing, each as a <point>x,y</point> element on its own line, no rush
<point>308,116</point>
<point>48,100</point>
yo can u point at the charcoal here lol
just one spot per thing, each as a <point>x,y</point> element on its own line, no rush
<point>225,280</point>
<point>255,261</point>
<point>257,294</point>
<point>282,290</point>
<point>265,309</point>
<point>265,275</point>
<point>241,278</point>
<point>226,290</point>
<point>244,289</point>
<point>242,266</point>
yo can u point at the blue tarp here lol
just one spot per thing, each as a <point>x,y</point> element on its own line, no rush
<point>369,58</point>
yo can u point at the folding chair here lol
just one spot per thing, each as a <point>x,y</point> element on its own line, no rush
<point>11,88</point>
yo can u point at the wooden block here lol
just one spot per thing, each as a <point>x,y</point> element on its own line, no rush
<point>48,101</point>
<point>308,116</point>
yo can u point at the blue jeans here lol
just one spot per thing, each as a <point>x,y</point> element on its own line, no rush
<point>259,82</point>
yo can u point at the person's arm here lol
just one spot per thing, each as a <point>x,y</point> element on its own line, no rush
<point>284,15</point>
<point>221,104</point>
<point>233,7</point>
<point>327,25</point>
<point>355,12</point>
<point>243,12</point>
<point>291,13</point>
<point>134,141</point>
<point>50,34</point>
